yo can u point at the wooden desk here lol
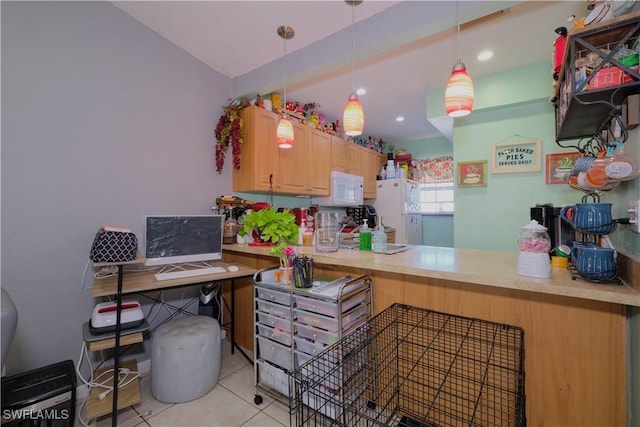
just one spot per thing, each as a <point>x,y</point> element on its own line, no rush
<point>138,281</point>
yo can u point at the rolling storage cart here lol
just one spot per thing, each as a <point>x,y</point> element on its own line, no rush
<point>415,367</point>
<point>294,324</point>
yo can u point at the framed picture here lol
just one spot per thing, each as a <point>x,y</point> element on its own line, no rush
<point>558,166</point>
<point>472,174</point>
<point>515,157</point>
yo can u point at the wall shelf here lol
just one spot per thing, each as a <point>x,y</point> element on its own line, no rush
<point>585,107</point>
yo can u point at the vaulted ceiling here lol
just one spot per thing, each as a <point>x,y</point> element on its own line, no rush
<point>402,48</point>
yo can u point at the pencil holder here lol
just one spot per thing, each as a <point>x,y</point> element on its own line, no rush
<point>303,272</point>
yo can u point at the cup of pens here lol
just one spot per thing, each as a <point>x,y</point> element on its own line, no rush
<point>286,265</point>
<point>303,272</point>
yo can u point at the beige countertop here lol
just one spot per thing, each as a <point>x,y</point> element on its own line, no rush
<point>485,268</point>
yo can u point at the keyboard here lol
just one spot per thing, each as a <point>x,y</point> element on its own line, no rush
<point>190,273</point>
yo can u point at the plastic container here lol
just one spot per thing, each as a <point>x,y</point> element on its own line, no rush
<point>281,311</point>
<point>276,322</point>
<point>328,308</point>
<point>275,353</point>
<point>391,170</point>
<point>279,335</point>
<point>274,296</point>
<point>275,378</point>
<point>365,236</point>
<point>327,322</point>
<point>379,240</point>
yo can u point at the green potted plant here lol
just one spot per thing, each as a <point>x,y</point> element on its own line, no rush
<point>269,227</point>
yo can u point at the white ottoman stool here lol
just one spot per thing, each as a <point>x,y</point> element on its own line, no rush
<point>185,359</point>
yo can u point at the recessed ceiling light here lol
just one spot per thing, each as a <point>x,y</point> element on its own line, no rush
<point>399,119</point>
<point>485,55</point>
<point>361,91</point>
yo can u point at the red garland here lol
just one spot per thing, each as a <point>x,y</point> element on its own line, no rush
<point>229,133</point>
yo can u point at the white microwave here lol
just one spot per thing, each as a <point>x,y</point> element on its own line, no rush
<point>346,190</point>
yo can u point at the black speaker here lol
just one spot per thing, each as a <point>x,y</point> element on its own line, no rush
<point>43,397</point>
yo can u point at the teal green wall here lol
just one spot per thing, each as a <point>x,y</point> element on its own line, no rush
<point>437,230</point>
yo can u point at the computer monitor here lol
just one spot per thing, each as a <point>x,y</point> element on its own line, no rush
<point>183,239</point>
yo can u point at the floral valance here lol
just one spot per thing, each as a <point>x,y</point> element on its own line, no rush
<point>436,170</point>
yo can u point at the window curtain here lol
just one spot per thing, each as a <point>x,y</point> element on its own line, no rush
<point>436,170</point>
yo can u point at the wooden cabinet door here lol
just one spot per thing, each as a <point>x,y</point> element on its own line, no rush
<point>354,155</point>
<point>368,163</point>
<point>294,162</point>
<point>319,163</point>
<point>259,156</point>
<point>339,155</point>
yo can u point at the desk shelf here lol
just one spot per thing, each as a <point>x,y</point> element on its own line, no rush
<point>127,395</point>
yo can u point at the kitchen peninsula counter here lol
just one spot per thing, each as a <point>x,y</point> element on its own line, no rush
<point>487,268</point>
<point>575,331</point>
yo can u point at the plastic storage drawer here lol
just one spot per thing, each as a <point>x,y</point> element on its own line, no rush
<point>276,322</point>
<point>325,337</point>
<point>277,310</point>
<point>283,337</point>
<point>309,346</point>
<point>274,296</point>
<point>330,323</point>
<point>273,377</point>
<point>275,353</point>
<point>328,308</point>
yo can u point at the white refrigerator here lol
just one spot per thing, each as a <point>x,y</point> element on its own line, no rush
<point>398,203</point>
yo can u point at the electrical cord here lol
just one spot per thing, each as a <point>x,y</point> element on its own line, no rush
<point>125,377</point>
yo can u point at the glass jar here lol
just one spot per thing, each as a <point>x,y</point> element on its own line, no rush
<point>534,238</point>
<point>230,231</point>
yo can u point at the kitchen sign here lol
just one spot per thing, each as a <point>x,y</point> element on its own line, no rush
<point>514,157</point>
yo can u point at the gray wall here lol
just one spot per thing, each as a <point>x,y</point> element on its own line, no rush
<point>103,121</point>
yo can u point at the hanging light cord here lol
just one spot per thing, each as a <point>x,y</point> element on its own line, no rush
<point>458,33</point>
<point>353,48</point>
<point>285,71</point>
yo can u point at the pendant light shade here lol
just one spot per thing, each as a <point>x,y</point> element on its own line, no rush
<point>353,116</point>
<point>458,97</point>
<point>459,94</point>
<point>284,133</point>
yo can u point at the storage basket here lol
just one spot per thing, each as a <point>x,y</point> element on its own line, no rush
<point>415,367</point>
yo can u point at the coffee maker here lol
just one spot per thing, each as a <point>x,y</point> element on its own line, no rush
<point>560,232</point>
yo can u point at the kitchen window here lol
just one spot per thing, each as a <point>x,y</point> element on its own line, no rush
<point>437,198</point>
<point>435,177</point>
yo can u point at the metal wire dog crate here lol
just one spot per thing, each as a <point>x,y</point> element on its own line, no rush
<point>413,367</point>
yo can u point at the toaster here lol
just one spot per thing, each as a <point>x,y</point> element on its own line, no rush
<point>103,318</point>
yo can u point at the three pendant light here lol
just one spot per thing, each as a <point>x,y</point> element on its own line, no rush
<point>459,94</point>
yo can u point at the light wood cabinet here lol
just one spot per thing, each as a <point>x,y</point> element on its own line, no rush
<point>259,165</point>
<point>306,167</point>
<point>319,158</point>
<point>345,156</point>
<point>370,164</point>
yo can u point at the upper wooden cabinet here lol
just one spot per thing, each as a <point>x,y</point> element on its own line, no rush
<point>355,159</point>
<point>259,160</point>
<point>370,164</point>
<point>306,167</point>
<point>345,156</point>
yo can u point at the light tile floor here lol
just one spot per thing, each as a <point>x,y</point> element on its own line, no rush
<point>229,404</point>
